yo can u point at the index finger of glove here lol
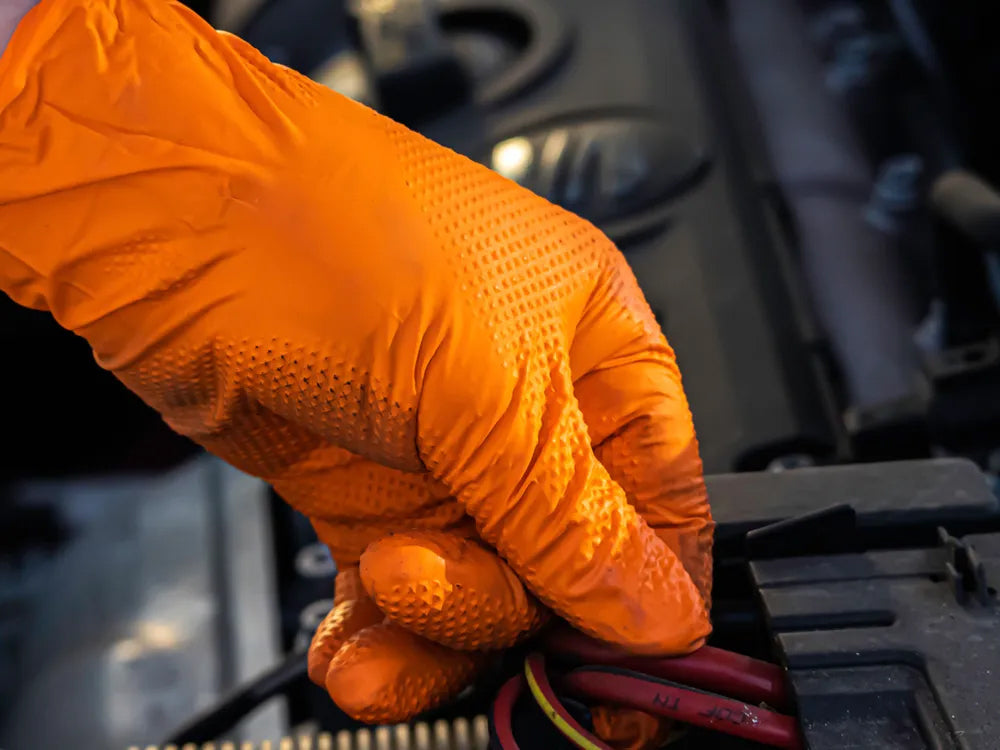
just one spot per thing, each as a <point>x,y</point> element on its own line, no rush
<point>649,449</point>
<point>632,397</point>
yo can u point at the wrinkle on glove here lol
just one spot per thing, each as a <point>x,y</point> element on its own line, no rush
<point>397,339</point>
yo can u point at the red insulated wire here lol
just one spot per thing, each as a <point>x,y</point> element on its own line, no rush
<point>703,709</point>
<point>502,714</point>
<point>708,668</point>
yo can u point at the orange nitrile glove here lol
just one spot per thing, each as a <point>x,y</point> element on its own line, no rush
<point>458,382</point>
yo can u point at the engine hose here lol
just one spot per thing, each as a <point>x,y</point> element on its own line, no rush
<point>858,284</point>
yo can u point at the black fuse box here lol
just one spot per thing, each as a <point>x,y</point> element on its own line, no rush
<point>891,636</point>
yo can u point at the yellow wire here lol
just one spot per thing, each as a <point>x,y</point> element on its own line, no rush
<point>564,726</point>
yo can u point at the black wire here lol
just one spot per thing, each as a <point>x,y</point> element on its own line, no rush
<point>211,723</point>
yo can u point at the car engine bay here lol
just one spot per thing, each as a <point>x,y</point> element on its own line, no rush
<point>808,192</point>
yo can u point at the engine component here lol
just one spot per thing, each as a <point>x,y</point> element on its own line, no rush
<point>826,182</point>
<point>603,169</point>
<point>973,207</point>
<point>866,634</point>
<point>896,194</point>
<point>413,69</point>
<point>458,734</point>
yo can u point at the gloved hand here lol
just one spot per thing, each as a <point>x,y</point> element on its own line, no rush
<point>458,382</point>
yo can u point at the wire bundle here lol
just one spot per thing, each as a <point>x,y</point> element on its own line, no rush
<point>686,689</point>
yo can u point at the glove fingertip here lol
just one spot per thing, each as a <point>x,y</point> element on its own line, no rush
<point>343,621</point>
<point>449,589</point>
<point>385,674</point>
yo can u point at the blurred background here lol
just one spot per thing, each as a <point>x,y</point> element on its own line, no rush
<point>806,190</point>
